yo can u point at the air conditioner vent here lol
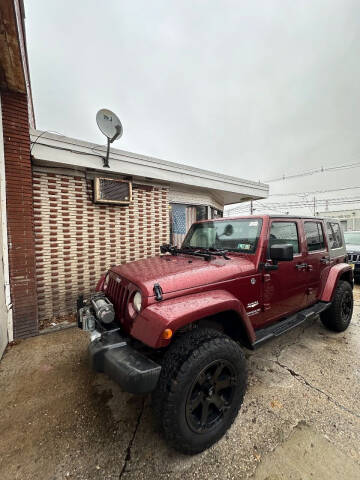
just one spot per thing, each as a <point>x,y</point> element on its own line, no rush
<point>112,190</point>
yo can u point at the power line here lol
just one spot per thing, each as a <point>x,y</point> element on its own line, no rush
<point>243,208</point>
<point>303,202</point>
<point>316,170</point>
<point>312,192</point>
<point>296,204</point>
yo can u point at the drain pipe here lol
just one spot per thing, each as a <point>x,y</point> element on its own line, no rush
<point>4,235</point>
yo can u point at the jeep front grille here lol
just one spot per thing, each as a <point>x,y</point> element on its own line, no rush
<point>118,293</point>
<point>354,257</point>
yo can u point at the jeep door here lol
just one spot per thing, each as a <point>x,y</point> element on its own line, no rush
<point>284,288</point>
<point>317,259</point>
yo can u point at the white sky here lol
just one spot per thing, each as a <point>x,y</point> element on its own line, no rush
<point>253,89</point>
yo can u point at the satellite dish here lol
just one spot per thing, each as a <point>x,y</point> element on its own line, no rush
<point>110,125</point>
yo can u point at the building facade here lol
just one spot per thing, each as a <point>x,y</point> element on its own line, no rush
<point>349,219</point>
<point>64,218</point>
<point>77,238</point>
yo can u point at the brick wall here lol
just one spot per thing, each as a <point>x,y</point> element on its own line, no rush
<point>20,213</point>
<point>77,240</point>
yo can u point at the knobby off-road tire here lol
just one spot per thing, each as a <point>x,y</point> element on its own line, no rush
<point>338,316</point>
<point>200,390</point>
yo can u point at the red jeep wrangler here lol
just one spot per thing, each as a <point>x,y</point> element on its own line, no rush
<point>173,324</point>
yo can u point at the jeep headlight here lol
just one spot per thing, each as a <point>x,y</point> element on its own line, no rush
<point>137,301</point>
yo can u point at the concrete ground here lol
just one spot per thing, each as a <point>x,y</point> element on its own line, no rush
<point>300,419</point>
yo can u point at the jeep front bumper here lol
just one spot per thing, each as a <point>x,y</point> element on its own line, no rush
<point>134,372</point>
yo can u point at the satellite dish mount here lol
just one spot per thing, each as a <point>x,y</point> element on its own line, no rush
<point>110,125</point>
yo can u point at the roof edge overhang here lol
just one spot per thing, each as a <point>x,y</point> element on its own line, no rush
<point>14,63</point>
<point>57,150</point>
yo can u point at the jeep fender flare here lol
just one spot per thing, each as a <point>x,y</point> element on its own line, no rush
<point>178,312</point>
<point>331,282</point>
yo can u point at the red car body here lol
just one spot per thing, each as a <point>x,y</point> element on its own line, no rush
<point>243,286</point>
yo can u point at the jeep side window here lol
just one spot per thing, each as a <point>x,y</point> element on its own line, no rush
<point>337,235</point>
<point>284,233</point>
<point>314,236</point>
<point>334,235</point>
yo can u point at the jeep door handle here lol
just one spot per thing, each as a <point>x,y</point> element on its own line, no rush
<point>301,266</point>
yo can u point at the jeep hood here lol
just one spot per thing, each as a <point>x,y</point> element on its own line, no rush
<point>182,271</point>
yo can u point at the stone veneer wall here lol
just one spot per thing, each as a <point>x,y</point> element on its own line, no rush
<point>77,240</point>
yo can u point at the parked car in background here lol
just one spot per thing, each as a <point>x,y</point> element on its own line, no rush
<point>352,241</point>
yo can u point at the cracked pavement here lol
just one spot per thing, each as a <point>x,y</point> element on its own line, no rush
<point>300,418</point>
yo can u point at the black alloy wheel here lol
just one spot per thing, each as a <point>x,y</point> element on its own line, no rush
<point>346,306</point>
<point>210,396</point>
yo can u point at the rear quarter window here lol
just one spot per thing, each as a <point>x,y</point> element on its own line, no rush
<point>334,235</point>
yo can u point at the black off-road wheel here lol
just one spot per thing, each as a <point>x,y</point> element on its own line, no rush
<point>338,316</point>
<point>200,390</point>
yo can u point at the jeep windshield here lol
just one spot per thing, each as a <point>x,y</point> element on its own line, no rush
<point>232,235</point>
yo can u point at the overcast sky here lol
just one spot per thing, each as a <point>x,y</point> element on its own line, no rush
<point>253,88</point>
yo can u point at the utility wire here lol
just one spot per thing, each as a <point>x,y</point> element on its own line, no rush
<point>287,206</point>
<point>316,170</point>
<point>312,192</point>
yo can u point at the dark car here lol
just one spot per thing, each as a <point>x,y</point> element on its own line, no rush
<point>352,241</point>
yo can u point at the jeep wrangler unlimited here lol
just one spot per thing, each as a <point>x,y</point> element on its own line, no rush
<point>173,324</point>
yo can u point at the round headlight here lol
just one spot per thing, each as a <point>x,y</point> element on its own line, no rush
<point>137,301</point>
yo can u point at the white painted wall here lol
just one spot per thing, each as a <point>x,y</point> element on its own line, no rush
<point>6,330</point>
<point>3,309</point>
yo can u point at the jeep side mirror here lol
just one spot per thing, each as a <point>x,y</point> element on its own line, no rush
<point>282,253</point>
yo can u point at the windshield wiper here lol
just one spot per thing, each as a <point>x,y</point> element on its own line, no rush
<point>214,251</point>
<point>205,253</point>
<point>187,250</point>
